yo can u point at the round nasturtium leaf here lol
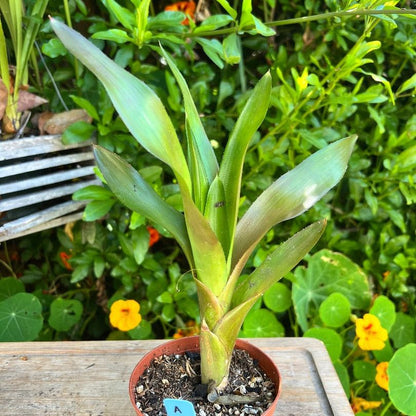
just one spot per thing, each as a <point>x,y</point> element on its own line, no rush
<point>65,313</point>
<point>142,331</point>
<point>364,370</point>
<point>20,318</point>
<point>262,323</point>
<point>335,310</point>
<point>331,339</point>
<point>402,379</point>
<point>9,286</point>
<point>385,311</point>
<point>403,331</point>
<point>278,298</point>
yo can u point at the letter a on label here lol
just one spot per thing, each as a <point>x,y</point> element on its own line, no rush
<point>176,407</point>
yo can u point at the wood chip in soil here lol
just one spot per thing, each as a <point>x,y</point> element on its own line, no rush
<point>178,377</point>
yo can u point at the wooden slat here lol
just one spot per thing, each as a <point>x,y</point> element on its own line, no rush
<point>91,377</point>
<point>44,180</point>
<point>45,195</point>
<point>43,226</point>
<point>30,146</point>
<point>37,219</point>
<point>49,162</point>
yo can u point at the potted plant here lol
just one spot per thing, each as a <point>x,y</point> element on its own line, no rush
<point>216,244</point>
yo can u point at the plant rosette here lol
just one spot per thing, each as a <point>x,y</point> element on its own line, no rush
<point>245,397</point>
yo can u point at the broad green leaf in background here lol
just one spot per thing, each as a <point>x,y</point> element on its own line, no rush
<point>231,48</point>
<point>226,5</point>
<point>364,370</point>
<point>385,354</point>
<point>343,377</point>
<point>78,132</point>
<point>402,379</point>
<point>335,310</point>
<point>262,323</point>
<point>95,192</point>
<point>384,309</point>
<point>292,194</point>
<point>20,318</point>
<point>9,286</point>
<point>278,298</point>
<point>328,272</point>
<point>95,210</point>
<point>65,313</point>
<point>332,340</point>
<point>403,330</point>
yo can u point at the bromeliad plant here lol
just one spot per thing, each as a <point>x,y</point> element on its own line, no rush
<point>215,243</point>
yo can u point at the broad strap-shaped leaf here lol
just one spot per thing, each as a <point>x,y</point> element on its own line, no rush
<point>210,264</point>
<point>292,194</point>
<point>232,162</point>
<point>210,308</point>
<point>286,256</point>
<point>203,163</point>
<point>216,213</point>
<point>134,192</point>
<point>137,104</point>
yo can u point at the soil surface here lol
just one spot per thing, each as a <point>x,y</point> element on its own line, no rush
<point>249,390</point>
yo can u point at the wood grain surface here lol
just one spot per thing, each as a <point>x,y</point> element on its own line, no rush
<point>91,377</point>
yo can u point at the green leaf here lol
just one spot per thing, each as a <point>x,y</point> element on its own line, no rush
<point>142,331</point>
<point>95,210</point>
<point>54,48</point>
<point>140,241</point>
<point>226,5</point>
<point>95,192</point>
<point>20,318</point>
<point>213,49</point>
<point>402,379</point>
<point>385,311</point>
<point>9,286</point>
<point>86,105</point>
<point>262,323</point>
<point>151,126</point>
<point>214,22</point>
<point>78,132</point>
<point>114,35</point>
<point>122,14</point>
<point>232,162</point>
<point>137,195</point>
<point>335,310</point>
<point>328,272</point>
<point>343,377</point>
<point>364,370</point>
<point>277,264</point>
<point>332,340</point>
<point>292,194</point>
<point>278,298</point>
<point>65,313</point>
<point>203,163</point>
<point>231,49</point>
<point>403,330</point>
<point>409,84</point>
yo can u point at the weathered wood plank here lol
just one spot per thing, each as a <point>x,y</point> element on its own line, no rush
<point>45,180</point>
<point>91,378</point>
<point>30,146</point>
<point>50,162</point>
<point>43,195</point>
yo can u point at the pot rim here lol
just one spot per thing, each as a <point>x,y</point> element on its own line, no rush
<point>191,344</point>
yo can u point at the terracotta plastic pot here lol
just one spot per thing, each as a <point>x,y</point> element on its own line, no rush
<point>191,344</point>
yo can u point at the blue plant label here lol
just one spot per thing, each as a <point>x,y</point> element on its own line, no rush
<point>175,407</point>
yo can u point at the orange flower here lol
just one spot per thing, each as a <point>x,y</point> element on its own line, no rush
<point>64,258</point>
<point>382,379</point>
<point>191,329</point>
<point>358,404</point>
<point>154,236</point>
<point>370,333</point>
<point>187,7</point>
<point>124,314</point>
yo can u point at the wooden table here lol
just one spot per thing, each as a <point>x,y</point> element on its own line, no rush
<point>91,377</point>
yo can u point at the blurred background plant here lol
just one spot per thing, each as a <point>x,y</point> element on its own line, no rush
<point>332,77</point>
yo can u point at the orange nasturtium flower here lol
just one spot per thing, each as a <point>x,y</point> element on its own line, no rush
<point>382,379</point>
<point>124,314</point>
<point>191,329</point>
<point>154,236</point>
<point>358,404</point>
<point>371,335</point>
<point>187,7</point>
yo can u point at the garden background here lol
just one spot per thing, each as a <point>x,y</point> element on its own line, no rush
<point>338,68</point>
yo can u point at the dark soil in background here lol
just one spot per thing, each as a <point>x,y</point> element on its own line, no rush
<point>177,377</point>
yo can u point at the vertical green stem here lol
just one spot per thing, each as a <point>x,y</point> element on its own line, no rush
<point>69,23</point>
